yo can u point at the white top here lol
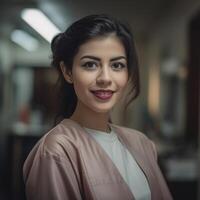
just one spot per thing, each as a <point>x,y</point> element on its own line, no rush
<point>124,162</point>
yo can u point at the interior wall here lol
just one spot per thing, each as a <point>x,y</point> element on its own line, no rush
<point>169,36</point>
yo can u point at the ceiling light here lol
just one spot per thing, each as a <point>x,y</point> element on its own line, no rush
<point>25,40</point>
<point>37,20</point>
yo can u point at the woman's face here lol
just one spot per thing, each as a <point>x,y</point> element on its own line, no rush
<point>100,73</point>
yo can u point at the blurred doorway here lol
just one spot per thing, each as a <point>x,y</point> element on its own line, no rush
<point>193,81</point>
<point>193,88</point>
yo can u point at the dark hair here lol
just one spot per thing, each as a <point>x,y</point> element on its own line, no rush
<point>65,46</point>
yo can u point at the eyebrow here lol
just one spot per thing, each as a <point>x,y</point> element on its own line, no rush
<point>98,59</point>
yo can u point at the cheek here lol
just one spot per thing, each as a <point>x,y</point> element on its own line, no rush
<point>123,81</point>
<point>82,82</point>
<point>79,85</point>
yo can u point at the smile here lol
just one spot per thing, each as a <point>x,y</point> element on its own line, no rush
<point>103,94</point>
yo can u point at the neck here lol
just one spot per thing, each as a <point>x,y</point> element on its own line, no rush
<point>91,119</point>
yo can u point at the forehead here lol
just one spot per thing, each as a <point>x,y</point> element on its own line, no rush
<point>109,46</point>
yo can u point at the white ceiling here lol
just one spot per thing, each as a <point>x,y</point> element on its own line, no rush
<point>143,15</point>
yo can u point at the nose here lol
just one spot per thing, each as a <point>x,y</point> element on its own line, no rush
<point>104,77</point>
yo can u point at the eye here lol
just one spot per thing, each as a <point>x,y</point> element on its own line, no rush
<point>90,65</point>
<point>117,66</point>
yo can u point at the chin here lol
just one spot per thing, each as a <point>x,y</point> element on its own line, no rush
<point>102,109</point>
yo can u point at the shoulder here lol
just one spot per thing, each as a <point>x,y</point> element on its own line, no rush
<point>57,142</point>
<point>57,145</point>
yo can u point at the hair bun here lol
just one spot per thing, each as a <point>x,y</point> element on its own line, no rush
<point>56,41</point>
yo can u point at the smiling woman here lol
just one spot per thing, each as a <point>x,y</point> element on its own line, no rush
<point>85,156</point>
<point>66,45</point>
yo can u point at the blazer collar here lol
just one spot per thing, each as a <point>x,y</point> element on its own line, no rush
<point>133,149</point>
<point>107,160</point>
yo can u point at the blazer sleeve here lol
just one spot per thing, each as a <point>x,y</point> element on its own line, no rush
<point>162,182</point>
<point>51,178</point>
<point>154,150</point>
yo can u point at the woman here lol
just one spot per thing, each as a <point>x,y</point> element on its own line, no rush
<point>85,156</point>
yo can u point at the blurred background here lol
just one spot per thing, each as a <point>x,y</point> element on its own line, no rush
<point>167,35</point>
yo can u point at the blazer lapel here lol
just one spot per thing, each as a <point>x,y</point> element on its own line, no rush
<point>108,162</point>
<point>141,160</point>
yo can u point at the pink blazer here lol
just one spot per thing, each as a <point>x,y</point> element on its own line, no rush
<point>68,164</point>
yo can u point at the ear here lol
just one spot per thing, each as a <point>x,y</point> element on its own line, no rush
<point>66,73</point>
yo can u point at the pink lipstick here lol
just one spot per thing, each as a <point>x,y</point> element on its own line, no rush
<point>103,94</point>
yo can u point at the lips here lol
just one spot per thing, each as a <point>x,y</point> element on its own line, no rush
<point>103,94</point>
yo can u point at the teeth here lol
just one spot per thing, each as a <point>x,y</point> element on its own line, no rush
<point>102,93</point>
